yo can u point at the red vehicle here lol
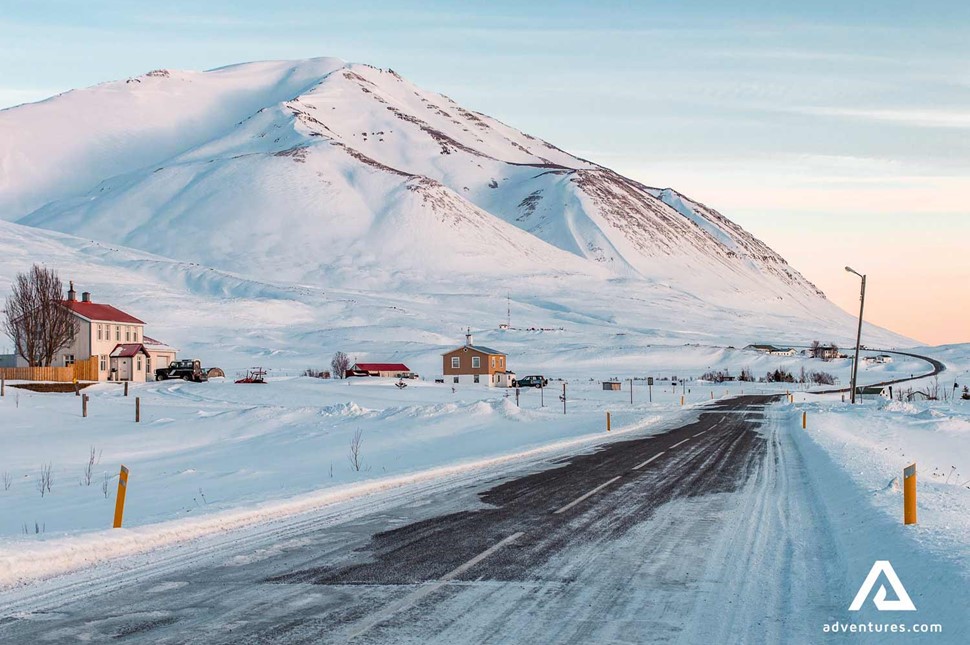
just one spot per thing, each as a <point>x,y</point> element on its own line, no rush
<point>255,375</point>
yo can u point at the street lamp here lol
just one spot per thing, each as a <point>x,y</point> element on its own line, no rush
<point>858,337</point>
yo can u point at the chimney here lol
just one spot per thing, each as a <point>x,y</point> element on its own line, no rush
<point>86,296</point>
<point>468,337</point>
<point>71,293</point>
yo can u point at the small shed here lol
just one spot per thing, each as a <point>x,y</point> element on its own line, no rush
<point>615,386</point>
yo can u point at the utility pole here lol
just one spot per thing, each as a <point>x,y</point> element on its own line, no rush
<point>631,391</point>
<point>858,337</point>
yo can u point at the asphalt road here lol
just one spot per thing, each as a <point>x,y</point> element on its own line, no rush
<point>644,539</point>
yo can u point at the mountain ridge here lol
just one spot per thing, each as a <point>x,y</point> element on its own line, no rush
<point>326,172</point>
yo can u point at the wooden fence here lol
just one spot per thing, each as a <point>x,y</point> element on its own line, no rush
<point>81,370</point>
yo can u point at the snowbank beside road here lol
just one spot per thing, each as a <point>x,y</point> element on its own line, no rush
<point>856,455</point>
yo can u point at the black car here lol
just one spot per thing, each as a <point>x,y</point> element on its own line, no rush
<point>531,381</point>
<point>187,370</point>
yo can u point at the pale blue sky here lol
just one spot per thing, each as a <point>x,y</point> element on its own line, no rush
<point>835,131</point>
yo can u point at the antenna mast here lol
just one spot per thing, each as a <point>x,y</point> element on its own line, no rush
<point>508,312</point>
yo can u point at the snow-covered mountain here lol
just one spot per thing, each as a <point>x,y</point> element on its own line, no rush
<point>336,175</point>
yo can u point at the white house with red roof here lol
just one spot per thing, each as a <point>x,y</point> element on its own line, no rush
<point>116,338</point>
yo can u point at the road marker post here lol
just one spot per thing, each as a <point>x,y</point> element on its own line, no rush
<point>804,420</point>
<point>909,494</point>
<point>84,405</point>
<point>77,390</point>
<point>681,400</point>
<point>126,388</point>
<point>3,386</point>
<point>607,421</point>
<point>120,499</point>
<point>137,409</point>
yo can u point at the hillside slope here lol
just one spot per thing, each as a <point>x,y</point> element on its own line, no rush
<point>322,177</point>
<point>324,161</point>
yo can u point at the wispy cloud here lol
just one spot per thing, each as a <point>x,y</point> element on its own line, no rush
<point>923,118</point>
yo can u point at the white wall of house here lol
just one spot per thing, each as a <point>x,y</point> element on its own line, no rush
<point>158,358</point>
<point>470,379</point>
<point>99,338</point>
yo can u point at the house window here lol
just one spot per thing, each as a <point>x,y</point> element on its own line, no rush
<point>501,361</point>
<point>100,332</point>
<point>476,378</point>
<point>134,334</point>
<point>456,380</point>
<point>127,334</point>
<point>455,362</point>
<point>117,333</point>
<point>103,364</point>
<point>476,363</point>
<point>493,361</point>
<point>138,363</point>
<point>68,360</point>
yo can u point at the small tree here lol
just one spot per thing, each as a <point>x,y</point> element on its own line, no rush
<point>815,351</point>
<point>340,364</point>
<point>35,317</point>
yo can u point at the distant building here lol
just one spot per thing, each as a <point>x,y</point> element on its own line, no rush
<point>878,359</point>
<point>476,364</point>
<point>884,391</point>
<point>828,352</point>
<point>386,370</point>
<point>614,386</point>
<point>772,350</point>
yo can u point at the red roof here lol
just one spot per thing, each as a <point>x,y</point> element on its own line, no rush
<point>94,311</point>
<point>381,367</point>
<point>127,350</point>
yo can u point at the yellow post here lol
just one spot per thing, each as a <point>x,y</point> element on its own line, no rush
<point>909,494</point>
<point>120,500</point>
<point>607,421</point>
<point>681,400</point>
<point>804,420</point>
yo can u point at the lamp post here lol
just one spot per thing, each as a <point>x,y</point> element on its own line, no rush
<point>858,337</point>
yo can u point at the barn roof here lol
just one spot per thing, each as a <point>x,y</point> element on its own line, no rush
<point>381,367</point>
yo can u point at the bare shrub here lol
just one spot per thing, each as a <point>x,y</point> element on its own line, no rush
<point>354,456</point>
<point>46,479</point>
<point>105,485</point>
<point>340,363</point>
<point>89,469</point>
<point>7,479</point>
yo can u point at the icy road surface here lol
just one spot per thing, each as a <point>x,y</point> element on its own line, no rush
<point>707,533</point>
